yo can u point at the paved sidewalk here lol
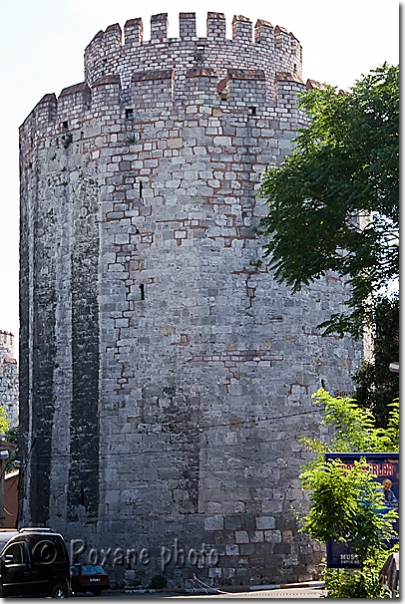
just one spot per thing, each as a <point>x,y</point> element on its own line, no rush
<point>312,589</point>
<point>293,592</point>
<point>272,593</point>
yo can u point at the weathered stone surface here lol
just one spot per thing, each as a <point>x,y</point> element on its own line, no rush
<point>165,375</point>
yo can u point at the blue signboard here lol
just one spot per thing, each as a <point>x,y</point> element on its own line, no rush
<point>385,467</point>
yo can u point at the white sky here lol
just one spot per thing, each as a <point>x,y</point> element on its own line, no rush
<point>42,44</point>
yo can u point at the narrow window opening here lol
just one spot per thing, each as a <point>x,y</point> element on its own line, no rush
<point>295,66</point>
<point>129,114</point>
<point>142,289</point>
<point>65,124</point>
<point>81,496</point>
<point>252,110</point>
<point>140,189</point>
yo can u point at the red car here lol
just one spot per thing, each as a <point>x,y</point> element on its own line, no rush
<point>88,577</point>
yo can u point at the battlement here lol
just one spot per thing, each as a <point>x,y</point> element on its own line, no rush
<point>116,46</point>
<point>6,337</point>
<point>124,73</point>
<point>242,30</point>
<point>6,346</point>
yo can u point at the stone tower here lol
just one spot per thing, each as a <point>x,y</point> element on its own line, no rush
<point>8,377</point>
<point>165,376</point>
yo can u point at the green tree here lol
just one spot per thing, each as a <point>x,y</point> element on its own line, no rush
<point>346,507</point>
<point>353,428</point>
<point>12,436</point>
<point>333,205</point>
<point>376,386</point>
<point>345,503</point>
<point>4,421</point>
<point>5,432</point>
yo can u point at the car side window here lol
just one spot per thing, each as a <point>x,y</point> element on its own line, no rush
<point>14,554</point>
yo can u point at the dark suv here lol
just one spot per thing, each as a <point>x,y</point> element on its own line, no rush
<point>33,562</point>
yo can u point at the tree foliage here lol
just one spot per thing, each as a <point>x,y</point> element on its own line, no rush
<point>354,428</point>
<point>333,205</point>
<point>345,504</point>
<point>362,583</point>
<point>376,385</point>
<point>4,421</point>
<point>12,436</point>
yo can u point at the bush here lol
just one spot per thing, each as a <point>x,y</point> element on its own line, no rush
<point>359,583</point>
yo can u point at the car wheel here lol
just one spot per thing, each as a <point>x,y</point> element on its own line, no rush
<point>97,592</point>
<point>59,591</point>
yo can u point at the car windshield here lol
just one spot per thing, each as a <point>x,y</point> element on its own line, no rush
<point>93,569</point>
<point>4,539</point>
<point>2,544</point>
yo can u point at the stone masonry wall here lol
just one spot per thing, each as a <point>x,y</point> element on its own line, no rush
<point>165,375</point>
<point>8,377</point>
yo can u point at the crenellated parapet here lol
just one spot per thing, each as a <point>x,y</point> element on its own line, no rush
<point>106,92</point>
<point>124,73</point>
<point>6,346</point>
<point>273,48</point>
<point>245,85</point>
<point>152,87</point>
<point>74,102</point>
<point>242,28</point>
<point>133,31</point>
<point>187,26</point>
<point>264,33</point>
